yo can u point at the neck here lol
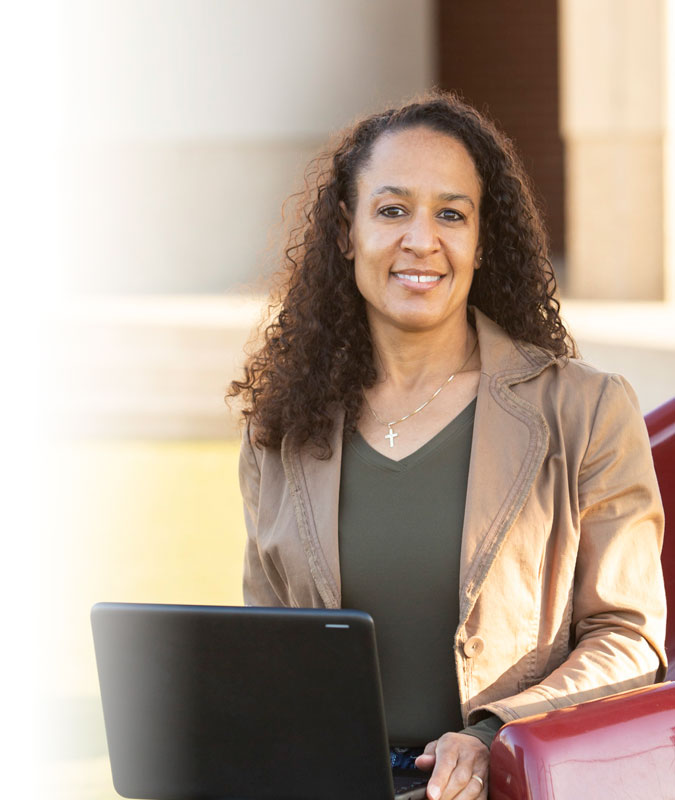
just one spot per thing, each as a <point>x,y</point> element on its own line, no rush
<point>406,360</point>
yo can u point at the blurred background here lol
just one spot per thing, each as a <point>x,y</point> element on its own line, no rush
<point>185,126</point>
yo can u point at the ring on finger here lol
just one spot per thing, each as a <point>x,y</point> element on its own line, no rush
<point>479,779</point>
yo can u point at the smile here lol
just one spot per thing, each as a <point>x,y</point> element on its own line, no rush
<point>419,278</point>
<point>416,280</point>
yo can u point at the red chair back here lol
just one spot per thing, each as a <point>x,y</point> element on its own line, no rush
<point>661,427</point>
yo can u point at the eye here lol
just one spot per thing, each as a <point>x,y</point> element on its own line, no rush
<point>450,215</point>
<point>391,211</point>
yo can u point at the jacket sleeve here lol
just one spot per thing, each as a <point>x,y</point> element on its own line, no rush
<point>618,616</point>
<point>258,590</point>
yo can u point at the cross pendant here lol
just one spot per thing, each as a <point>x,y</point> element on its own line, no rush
<point>391,435</point>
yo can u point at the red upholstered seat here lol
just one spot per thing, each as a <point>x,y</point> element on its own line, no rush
<point>661,427</point>
<point>619,746</point>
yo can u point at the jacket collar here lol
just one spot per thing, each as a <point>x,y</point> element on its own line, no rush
<point>510,441</point>
<point>501,355</point>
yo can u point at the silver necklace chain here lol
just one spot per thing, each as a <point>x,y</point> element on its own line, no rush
<point>390,425</point>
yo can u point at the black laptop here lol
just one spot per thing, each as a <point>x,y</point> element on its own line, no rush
<point>225,703</point>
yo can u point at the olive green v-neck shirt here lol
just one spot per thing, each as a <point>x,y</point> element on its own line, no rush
<point>400,535</point>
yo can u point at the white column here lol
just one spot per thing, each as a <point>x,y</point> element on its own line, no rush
<point>669,155</point>
<point>613,118</point>
<point>192,121</point>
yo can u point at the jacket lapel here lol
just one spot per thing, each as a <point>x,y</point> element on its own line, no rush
<point>315,489</point>
<point>510,442</point>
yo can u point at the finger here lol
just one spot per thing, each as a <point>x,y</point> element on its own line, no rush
<point>425,762</point>
<point>446,761</point>
<point>430,748</point>
<point>427,759</point>
<point>469,778</point>
<point>474,790</point>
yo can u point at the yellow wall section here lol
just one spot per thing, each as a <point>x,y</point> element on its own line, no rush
<point>125,521</point>
<point>143,522</point>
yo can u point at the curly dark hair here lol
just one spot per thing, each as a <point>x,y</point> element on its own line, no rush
<point>317,353</point>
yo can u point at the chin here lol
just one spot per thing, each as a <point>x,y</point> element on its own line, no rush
<point>417,323</point>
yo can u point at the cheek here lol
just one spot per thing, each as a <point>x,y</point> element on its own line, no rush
<point>463,252</point>
<point>362,276</point>
<point>372,259</point>
<point>372,241</point>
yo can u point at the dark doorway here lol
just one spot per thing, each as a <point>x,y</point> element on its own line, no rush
<point>502,56</point>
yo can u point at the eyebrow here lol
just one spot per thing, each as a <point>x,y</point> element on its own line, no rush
<point>402,191</point>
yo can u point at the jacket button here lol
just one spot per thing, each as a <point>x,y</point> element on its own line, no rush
<point>473,646</point>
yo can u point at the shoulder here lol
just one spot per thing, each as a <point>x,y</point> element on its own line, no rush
<point>559,386</point>
<point>532,370</point>
<point>255,458</point>
<point>580,403</point>
<point>250,454</point>
<point>581,383</point>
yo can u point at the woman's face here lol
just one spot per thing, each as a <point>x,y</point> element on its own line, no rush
<point>414,232</point>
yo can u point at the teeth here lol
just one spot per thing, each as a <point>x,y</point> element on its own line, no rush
<point>419,278</point>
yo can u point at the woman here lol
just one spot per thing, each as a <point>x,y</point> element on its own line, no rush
<point>422,444</point>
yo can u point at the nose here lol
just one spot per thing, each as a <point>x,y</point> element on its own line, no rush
<point>421,236</point>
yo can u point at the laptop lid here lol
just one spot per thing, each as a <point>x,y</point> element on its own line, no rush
<point>229,702</point>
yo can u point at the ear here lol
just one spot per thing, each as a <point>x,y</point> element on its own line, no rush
<point>345,237</point>
<point>478,260</point>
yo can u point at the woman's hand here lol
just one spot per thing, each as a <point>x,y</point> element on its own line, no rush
<point>455,759</point>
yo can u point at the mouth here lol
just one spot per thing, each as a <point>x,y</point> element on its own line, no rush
<point>418,280</point>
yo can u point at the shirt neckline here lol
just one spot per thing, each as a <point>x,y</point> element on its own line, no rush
<point>372,456</point>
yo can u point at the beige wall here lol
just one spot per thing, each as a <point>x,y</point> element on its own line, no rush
<point>613,103</point>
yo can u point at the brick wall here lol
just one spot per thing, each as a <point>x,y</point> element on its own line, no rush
<point>503,55</point>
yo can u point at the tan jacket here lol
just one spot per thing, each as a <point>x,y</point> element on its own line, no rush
<point>561,589</point>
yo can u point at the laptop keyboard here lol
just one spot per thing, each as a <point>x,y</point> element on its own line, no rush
<point>407,779</point>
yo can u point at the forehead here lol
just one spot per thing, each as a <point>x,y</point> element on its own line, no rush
<point>421,160</point>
